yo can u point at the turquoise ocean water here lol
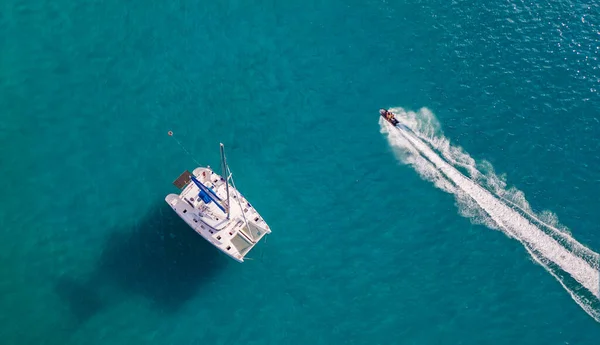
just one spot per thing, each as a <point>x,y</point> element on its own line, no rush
<point>366,249</point>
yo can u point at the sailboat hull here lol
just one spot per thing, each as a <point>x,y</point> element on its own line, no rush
<point>234,233</point>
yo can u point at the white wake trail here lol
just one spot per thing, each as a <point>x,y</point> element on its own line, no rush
<point>555,249</point>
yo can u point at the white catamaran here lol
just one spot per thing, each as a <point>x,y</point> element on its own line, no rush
<point>213,207</point>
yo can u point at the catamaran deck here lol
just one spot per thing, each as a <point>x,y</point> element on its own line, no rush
<point>235,236</point>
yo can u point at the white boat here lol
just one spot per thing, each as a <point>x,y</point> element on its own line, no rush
<point>215,209</point>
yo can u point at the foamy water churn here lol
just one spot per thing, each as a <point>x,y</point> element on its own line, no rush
<point>484,197</point>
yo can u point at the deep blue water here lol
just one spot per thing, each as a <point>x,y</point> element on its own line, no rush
<point>363,250</point>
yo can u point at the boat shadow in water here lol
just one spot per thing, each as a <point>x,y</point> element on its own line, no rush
<point>160,258</point>
<point>82,299</point>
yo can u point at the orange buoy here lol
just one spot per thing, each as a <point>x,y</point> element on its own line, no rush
<point>170,133</point>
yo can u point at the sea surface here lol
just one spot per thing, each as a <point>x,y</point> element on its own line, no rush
<point>372,243</point>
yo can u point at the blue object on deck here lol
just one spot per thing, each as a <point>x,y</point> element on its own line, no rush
<point>204,197</point>
<point>205,192</point>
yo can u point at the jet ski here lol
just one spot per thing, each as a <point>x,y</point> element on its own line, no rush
<point>389,116</point>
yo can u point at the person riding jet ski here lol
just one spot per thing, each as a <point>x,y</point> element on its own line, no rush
<point>389,116</point>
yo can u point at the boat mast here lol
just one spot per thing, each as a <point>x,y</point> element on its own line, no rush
<point>226,174</point>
